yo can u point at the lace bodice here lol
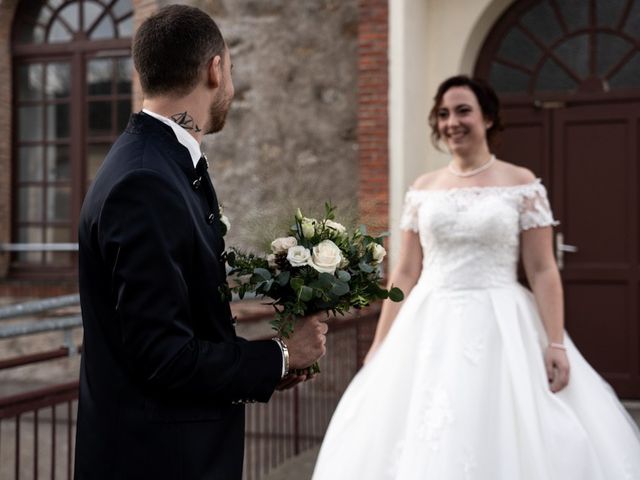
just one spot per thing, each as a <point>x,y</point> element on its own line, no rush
<point>470,236</point>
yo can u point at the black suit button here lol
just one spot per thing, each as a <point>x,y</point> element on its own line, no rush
<point>196,183</point>
<point>211,218</point>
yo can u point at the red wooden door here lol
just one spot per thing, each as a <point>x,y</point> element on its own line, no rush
<point>587,157</point>
<point>595,182</point>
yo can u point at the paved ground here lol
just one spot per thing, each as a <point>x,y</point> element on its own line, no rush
<point>298,468</point>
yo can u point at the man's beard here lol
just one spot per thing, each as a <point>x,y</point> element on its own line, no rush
<point>218,114</point>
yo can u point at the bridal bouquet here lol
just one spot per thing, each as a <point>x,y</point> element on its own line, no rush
<point>318,267</point>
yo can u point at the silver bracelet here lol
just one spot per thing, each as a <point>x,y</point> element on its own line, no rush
<point>559,346</point>
<point>285,355</point>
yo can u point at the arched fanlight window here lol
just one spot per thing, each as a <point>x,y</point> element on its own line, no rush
<point>564,45</point>
<point>72,97</point>
<point>58,21</point>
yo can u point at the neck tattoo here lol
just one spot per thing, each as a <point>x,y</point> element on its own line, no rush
<point>186,121</point>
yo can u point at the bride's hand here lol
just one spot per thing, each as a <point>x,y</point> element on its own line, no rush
<point>557,365</point>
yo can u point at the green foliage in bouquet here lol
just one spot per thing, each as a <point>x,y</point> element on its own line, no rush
<point>319,267</point>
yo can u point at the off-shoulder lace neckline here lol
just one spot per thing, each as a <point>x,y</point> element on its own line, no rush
<point>486,188</point>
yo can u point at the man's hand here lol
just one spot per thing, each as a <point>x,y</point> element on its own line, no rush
<point>307,342</point>
<point>291,380</point>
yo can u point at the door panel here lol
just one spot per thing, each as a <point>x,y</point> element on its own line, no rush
<point>595,196</point>
<point>587,157</point>
<point>598,322</point>
<point>525,139</point>
<point>594,162</point>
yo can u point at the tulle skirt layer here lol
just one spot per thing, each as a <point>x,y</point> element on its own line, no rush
<point>458,391</point>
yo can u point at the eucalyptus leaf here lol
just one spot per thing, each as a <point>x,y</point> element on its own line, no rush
<point>262,272</point>
<point>340,288</point>
<point>283,278</point>
<point>396,295</point>
<point>306,293</point>
<point>365,267</point>
<point>326,280</point>
<point>343,275</point>
<point>296,283</point>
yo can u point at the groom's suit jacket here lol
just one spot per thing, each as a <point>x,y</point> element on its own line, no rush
<point>164,377</point>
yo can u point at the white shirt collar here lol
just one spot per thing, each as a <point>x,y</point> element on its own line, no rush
<point>184,137</point>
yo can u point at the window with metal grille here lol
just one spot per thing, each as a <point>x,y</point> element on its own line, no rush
<point>564,46</point>
<point>72,97</point>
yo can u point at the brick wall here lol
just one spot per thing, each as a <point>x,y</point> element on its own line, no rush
<point>373,124</point>
<point>7,10</point>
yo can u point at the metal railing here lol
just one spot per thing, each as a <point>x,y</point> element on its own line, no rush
<point>38,247</point>
<point>296,420</point>
<point>37,428</point>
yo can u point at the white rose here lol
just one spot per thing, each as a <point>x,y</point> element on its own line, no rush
<point>326,257</point>
<point>377,252</point>
<point>308,227</point>
<point>298,256</point>
<point>338,227</point>
<point>271,259</point>
<point>283,244</point>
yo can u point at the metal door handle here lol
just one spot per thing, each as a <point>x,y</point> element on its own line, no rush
<point>561,248</point>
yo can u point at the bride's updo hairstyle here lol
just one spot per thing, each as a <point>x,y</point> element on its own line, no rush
<point>487,98</point>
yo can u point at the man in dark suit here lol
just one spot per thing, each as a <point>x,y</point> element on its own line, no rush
<point>164,377</point>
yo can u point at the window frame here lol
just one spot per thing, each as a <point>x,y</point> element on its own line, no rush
<point>77,52</point>
<point>586,88</point>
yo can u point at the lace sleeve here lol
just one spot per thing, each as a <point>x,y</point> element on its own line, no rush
<point>409,219</point>
<point>535,211</point>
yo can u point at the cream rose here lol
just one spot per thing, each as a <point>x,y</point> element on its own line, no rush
<point>337,227</point>
<point>308,227</point>
<point>377,252</point>
<point>271,260</point>
<point>326,257</point>
<point>298,256</point>
<point>283,244</point>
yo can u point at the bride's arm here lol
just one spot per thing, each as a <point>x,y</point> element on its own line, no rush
<point>404,276</point>
<point>544,279</point>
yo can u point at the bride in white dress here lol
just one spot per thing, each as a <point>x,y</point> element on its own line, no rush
<point>473,377</point>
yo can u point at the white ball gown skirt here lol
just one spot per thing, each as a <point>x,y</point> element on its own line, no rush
<point>458,391</point>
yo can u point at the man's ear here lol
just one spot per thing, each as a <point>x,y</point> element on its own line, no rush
<point>214,72</point>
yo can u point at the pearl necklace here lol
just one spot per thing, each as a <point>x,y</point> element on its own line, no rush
<point>473,172</point>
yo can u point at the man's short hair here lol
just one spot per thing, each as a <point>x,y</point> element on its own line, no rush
<point>171,48</point>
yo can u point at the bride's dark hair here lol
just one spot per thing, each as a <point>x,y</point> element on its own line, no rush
<point>486,96</point>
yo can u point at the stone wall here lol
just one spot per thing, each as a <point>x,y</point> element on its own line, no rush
<point>291,134</point>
